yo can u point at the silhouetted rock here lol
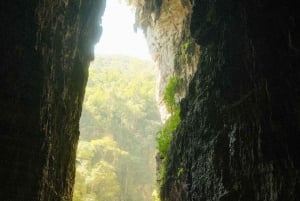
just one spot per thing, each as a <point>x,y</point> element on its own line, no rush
<point>46,47</point>
<point>239,136</point>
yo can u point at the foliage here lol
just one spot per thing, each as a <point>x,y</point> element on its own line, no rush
<point>118,124</point>
<point>96,177</point>
<point>164,136</point>
<point>185,53</point>
<point>169,95</point>
<point>180,171</point>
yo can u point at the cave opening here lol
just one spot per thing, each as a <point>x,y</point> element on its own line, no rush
<point>116,150</point>
<point>239,100</point>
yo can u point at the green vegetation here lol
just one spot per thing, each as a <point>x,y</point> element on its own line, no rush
<point>180,171</point>
<point>115,157</point>
<point>169,95</point>
<point>164,136</point>
<point>185,53</point>
<point>96,175</point>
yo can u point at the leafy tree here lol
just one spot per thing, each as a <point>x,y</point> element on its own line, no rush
<point>96,177</point>
<point>118,126</point>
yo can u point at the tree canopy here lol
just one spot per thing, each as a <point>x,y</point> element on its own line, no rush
<point>115,157</point>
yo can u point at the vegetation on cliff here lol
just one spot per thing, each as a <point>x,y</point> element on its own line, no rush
<point>164,136</point>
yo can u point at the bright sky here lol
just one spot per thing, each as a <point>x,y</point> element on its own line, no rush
<point>118,36</point>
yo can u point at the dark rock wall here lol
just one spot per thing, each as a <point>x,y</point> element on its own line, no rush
<point>240,131</point>
<point>46,47</point>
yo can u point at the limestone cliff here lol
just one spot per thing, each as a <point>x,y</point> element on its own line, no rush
<point>166,27</point>
<point>46,47</point>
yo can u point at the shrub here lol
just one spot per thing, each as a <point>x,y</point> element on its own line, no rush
<point>169,95</point>
<point>164,136</point>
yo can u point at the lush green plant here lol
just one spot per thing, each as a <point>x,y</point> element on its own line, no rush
<point>164,136</point>
<point>169,95</point>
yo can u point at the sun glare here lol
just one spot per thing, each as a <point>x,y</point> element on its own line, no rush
<point>116,150</point>
<point>118,35</point>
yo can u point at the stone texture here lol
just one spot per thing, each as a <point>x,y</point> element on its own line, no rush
<point>46,47</point>
<point>166,27</point>
<point>239,135</point>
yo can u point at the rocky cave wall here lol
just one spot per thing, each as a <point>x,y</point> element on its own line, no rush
<point>240,122</point>
<point>46,47</point>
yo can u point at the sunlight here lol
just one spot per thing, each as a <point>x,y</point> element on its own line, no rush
<point>118,35</point>
<point>117,145</point>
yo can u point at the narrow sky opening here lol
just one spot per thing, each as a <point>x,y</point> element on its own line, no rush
<point>115,157</point>
<point>118,36</point>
